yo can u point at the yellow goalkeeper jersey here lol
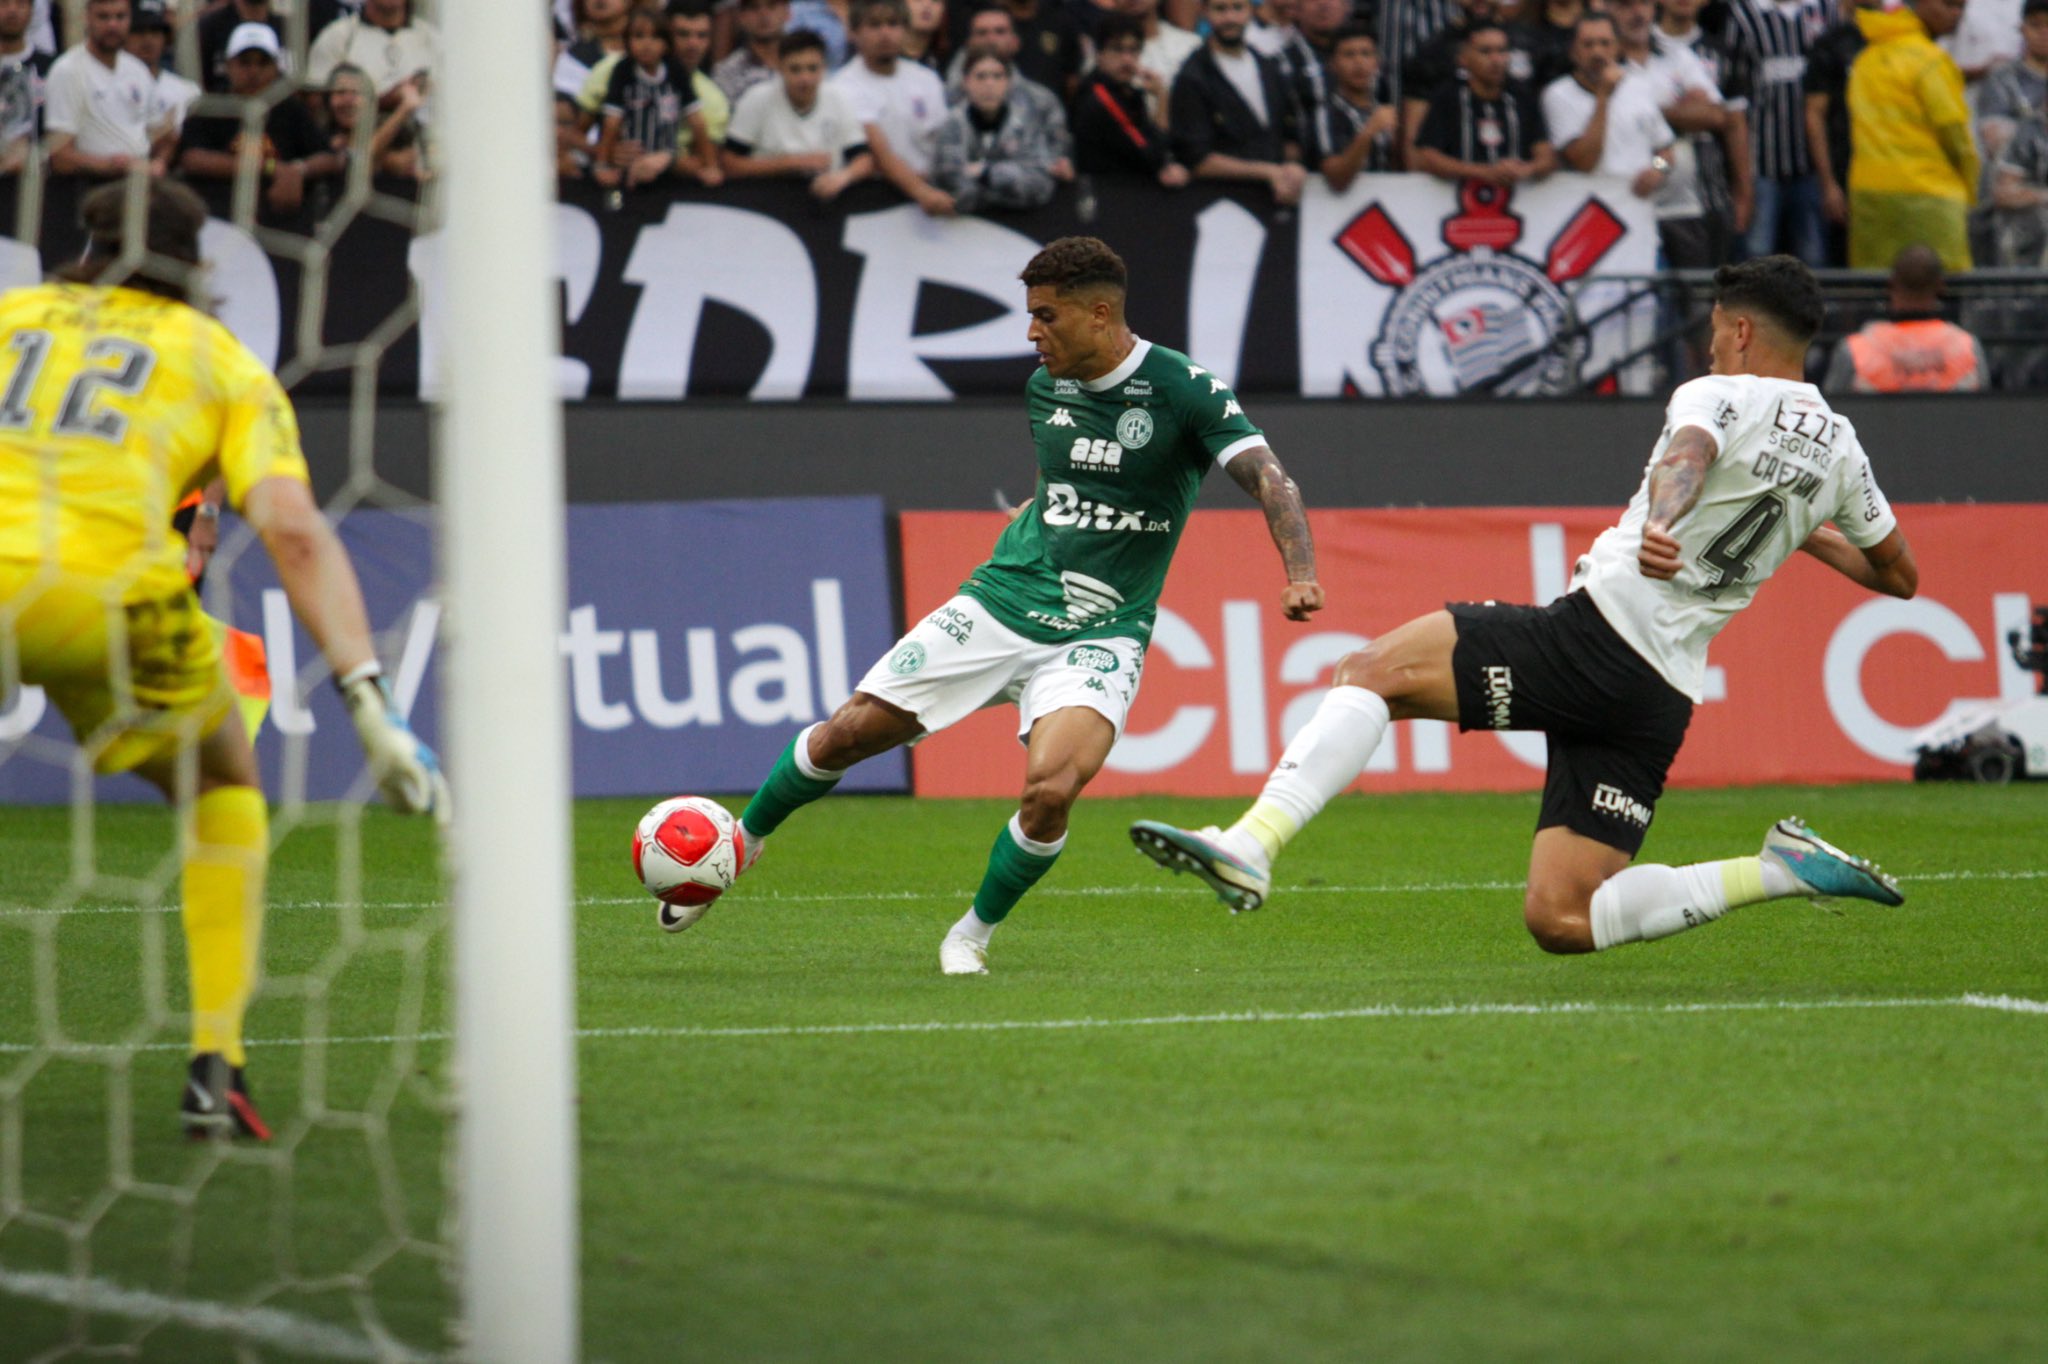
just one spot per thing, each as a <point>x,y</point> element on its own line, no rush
<point>113,403</point>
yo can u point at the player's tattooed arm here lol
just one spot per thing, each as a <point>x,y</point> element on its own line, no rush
<point>1675,485</point>
<point>1259,473</point>
<point>1887,566</point>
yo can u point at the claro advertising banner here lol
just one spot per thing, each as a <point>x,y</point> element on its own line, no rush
<point>1818,681</point>
<point>697,638</point>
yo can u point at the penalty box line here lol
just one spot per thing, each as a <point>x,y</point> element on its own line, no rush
<point>918,896</point>
<point>2012,1004</point>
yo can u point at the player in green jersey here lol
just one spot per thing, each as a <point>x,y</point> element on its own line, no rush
<point>1057,620</point>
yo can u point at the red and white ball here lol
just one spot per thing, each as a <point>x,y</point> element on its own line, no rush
<point>687,851</point>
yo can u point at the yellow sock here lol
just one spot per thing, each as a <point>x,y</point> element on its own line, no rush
<point>224,867</point>
<point>1271,823</point>
<point>1742,881</point>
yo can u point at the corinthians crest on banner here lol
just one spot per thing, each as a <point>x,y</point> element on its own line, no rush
<point>1411,285</point>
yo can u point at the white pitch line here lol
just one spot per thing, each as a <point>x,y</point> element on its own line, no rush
<point>297,1336</point>
<point>915,896</point>
<point>2008,1003</point>
<point>2003,1003</point>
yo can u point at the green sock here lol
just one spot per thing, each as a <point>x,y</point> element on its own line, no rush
<point>1014,865</point>
<point>787,790</point>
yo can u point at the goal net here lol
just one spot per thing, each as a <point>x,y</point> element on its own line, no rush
<point>347,1235</point>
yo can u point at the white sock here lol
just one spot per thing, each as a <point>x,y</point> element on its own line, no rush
<point>1325,758</point>
<point>973,927</point>
<point>802,754</point>
<point>1779,882</point>
<point>1647,902</point>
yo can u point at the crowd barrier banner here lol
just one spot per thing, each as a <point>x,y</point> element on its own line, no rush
<point>1401,285</point>
<point>1816,682</point>
<point>699,638</point>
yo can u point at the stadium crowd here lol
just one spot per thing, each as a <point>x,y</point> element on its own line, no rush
<point>1842,136</point>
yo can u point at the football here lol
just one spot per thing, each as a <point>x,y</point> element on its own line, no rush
<point>686,851</point>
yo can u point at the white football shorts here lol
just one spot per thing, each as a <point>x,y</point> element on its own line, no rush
<point>960,658</point>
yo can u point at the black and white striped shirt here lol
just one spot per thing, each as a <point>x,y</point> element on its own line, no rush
<point>652,108</point>
<point>1336,126</point>
<point>1775,35</point>
<point>1405,25</point>
<point>1307,80</point>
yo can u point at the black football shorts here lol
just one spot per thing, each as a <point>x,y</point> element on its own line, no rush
<point>1613,722</point>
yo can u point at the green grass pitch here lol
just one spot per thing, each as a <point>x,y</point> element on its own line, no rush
<point>1372,1121</point>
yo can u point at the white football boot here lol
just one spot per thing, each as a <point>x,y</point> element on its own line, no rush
<point>1237,873</point>
<point>1824,869</point>
<point>960,955</point>
<point>676,918</point>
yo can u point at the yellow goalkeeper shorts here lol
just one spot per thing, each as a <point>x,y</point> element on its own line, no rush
<point>137,680</point>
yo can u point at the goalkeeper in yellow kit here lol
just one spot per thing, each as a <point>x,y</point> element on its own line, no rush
<point>115,400</point>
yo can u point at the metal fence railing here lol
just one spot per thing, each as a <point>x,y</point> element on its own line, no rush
<point>1646,333</point>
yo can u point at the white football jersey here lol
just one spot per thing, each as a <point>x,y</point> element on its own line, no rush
<point>1786,464</point>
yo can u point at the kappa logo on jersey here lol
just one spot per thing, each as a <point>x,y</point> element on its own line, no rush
<point>1087,597</point>
<point>1231,409</point>
<point>1060,417</point>
<point>1216,385</point>
<point>1724,415</point>
<point>1614,801</point>
<point>1134,428</point>
<point>1097,453</point>
<point>1196,371</point>
<point>1064,506</point>
<point>1092,656</point>
<point>1500,693</point>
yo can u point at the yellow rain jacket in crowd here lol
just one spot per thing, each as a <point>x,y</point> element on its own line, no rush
<point>1914,173</point>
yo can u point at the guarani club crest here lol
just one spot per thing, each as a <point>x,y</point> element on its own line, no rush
<point>1465,319</point>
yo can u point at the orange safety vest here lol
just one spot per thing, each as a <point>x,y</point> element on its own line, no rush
<point>1925,355</point>
<point>246,659</point>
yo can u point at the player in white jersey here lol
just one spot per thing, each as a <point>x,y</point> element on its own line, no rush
<point>1751,466</point>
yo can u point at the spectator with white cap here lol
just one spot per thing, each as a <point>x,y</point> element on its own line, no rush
<point>291,150</point>
<point>215,27</point>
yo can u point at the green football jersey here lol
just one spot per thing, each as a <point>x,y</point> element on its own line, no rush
<point>1119,461</point>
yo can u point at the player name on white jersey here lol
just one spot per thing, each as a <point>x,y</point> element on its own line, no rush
<point>1786,463</point>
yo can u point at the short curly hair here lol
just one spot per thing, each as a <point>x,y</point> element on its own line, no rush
<point>1076,263</point>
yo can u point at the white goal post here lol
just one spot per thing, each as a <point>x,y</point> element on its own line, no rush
<point>499,492</point>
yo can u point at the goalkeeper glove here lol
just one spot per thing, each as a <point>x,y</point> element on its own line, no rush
<point>407,772</point>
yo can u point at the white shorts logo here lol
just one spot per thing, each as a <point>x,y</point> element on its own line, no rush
<point>1612,800</point>
<point>1500,693</point>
